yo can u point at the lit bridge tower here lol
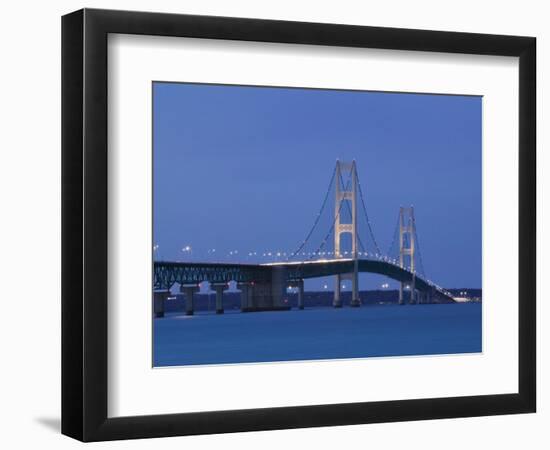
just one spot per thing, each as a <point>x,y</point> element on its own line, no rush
<point>407,234</point>
<point>344,194</point>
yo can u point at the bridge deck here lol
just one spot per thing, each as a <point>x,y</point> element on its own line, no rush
<point>167,273</point>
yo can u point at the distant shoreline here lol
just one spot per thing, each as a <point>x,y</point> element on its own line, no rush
<point>232,299</point>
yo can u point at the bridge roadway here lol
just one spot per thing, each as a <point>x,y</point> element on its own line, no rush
<point>263,285</point>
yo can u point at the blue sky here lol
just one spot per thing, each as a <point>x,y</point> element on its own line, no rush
<point>246,168</point>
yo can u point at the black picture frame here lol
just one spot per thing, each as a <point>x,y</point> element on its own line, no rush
<point>84,224</point>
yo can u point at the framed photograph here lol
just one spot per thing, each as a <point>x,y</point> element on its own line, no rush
<point>273,224</point>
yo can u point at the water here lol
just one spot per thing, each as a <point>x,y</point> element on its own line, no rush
<point>319,333</point>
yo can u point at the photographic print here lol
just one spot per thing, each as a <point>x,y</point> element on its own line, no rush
<point>297,224</point>
<point>264,209</point>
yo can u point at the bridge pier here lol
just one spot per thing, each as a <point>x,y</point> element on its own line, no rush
<point>337,302</point>
<point>425,297</point>
<point>300,285</point>
<point>189,290</point>
<point>219,288</point>
<point>413,299</point>
<point>159,297</point>
<point>279,276</point>
<point>246,291</point>
<point>266,294</point>
<point>401,299</point>
<point>301,294</point>
<point>355,300</point>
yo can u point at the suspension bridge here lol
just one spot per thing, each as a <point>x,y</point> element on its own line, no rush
<point>263,285</point>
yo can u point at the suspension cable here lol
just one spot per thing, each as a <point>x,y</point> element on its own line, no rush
<point>366,215</point>
<point>417,243</point>
<point>394,239</point>
<point>303,244</point>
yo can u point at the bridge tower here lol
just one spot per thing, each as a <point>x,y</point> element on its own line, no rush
<point>342,195</point>
<point>407,235</point>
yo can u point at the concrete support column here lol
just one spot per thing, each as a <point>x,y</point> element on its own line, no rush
<point>355,300</point>
<point>413,290</point>
<point>279,282</point>
<point>219,288</point>
<point>401,299</point>
<point>245,294</point>
<point>189,290</point>
<point>301,294</point>
<point>337,303</point>
<point>159,297</point>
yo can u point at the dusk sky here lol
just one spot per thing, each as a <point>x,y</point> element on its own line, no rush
<point>240,170</point>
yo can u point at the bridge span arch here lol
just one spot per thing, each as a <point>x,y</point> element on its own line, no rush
<point>317,269</point>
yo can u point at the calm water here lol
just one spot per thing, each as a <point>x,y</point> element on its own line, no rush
<point>322,333</point>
